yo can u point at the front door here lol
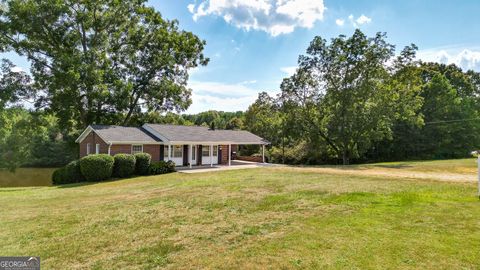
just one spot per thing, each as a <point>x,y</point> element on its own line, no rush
<point>194,154</point>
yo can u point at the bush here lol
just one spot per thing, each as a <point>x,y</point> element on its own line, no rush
<point>142,163</point>
<point>124,165</point>
<point>97,167</point>
<point>73,174</point>
<point>58,176</point>
<point>162,167</point>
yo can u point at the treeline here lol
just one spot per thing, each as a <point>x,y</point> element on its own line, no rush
<point>353,100</point>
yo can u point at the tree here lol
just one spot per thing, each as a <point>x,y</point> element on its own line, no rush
<point>15,137</point>
<point>346,93</point>
<point>15,86</point>
<point>101,61</point>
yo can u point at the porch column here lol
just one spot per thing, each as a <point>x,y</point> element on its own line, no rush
<point>190,155</point>
<point>229,155</point>
<point>263,153</point>
<point>211,155</point>
<point>169,152</point>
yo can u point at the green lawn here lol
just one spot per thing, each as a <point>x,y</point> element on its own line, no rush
<point>278,218</point>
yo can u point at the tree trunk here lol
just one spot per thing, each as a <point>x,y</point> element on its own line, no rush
<point>346,158</point>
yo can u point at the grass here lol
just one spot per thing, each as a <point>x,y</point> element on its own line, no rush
<point>277,218</point>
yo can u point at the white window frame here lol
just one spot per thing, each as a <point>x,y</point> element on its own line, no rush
<point>89,148</point>
<point>165,152</point>
<point>194,152</point>
<point>215,151</point>
<point>136,152</point>
<point>205,147</point>
<point>177,147</point>
<point>97,148</point>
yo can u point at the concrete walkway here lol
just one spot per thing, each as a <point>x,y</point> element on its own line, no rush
<point>236,165</point>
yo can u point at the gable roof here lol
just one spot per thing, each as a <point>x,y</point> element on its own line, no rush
<point>166,134</point>
<point>177,133</point>
<point>120,134</point>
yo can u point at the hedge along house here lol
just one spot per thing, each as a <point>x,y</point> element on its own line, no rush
<point>184,145</point>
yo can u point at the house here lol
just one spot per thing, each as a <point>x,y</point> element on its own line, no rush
<point>184,145</point>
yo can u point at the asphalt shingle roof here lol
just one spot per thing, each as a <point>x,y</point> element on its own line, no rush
<point>124,134</point>
<point>204,134</point>
<point>174,133</point>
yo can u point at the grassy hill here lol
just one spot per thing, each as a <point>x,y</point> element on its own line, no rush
<point>283,218</point>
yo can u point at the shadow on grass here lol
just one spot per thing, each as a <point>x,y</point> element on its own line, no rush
<point>89,183</point>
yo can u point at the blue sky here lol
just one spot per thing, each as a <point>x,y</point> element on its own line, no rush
<point>254,44</point>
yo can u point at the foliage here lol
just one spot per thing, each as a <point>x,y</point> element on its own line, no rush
<point>32,139</point>
<point>142,163</point>
<point>97,167</point>
<point>73,173</point>
<point>59,176</point>
<point>16,134</point>
<point>124,165</point>
<point>451,113</point>
<point>15,86</point>
<point>162,167</point>
<point>104,61</point>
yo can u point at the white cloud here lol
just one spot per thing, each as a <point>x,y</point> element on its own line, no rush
<point>359,21</point>
<point>275,17</point>
<point>191,8</point>
<point>289,70</point>
<point>340,22</point>
<point>221,96</point>
<point>363,19</point>
<point>17,69</point>
<point>462,57</point>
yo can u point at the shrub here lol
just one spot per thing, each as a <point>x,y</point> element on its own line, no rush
<point>73,174</point>
<point>124,165</point>
<point>58,176</point>
<point>142,163</point>
<point>162,167</point>
<point>97,167</point>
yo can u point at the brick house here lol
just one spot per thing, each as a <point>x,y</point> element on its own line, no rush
<point>184,145</point>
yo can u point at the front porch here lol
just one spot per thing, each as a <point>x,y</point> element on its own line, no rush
<point>200,155</point>
<point>234,165</point>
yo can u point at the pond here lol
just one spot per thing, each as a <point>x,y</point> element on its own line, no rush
<point>26,177</point>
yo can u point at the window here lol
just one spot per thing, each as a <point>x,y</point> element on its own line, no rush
<point>215,150</point>
<point>97,148</point>
<point>165,152</point>
<point>137,149</point>
<point>206,150</point>
<point>89,146</point>
<point>177,151</point>
<point>194,152</point>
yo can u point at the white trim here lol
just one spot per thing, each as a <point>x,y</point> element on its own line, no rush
<point>85,134</point>
<point>131,149</point>
<point>229,156</point>
<point>89,148</point>
<point>97,148</point>
<point>136,142</point>
<point>215,143</point>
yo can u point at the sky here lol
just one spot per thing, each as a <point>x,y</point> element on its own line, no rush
<point>254,44</point>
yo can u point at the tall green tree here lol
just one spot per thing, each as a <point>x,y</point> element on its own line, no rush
<point>101,61</point>
<point>346,93</point>
<point>15,86</point>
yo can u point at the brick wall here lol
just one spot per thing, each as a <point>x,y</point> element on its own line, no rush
<point>120,149</point>
<point>93,139</point>
<point>153,150</point>
<point>225,152</point>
